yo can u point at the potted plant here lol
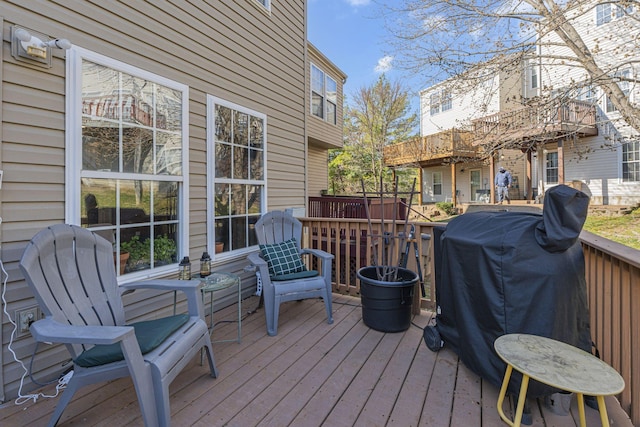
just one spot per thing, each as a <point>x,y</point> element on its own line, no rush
<point>164,250</point>
<point>139,253</point>
<point>387,287</point>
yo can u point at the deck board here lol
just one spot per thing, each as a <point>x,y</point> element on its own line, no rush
<point>310,374</point>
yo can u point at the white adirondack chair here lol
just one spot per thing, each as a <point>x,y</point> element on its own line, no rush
<point>71,272</point>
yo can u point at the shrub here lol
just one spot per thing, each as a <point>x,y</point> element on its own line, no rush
<point>447,207</point>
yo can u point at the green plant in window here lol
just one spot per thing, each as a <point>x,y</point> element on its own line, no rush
<point>164,249</point>
<point>139,251</point>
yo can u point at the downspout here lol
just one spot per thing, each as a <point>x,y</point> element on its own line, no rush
<point>305,98</point>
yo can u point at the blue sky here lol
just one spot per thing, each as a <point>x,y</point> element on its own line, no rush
<point>352,35</point>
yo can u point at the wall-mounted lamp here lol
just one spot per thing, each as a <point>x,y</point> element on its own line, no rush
<point>32,49</point>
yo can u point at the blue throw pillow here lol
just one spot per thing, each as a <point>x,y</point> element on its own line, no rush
<point>282,258</point>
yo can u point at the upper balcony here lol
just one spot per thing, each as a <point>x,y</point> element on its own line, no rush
<point>432,150</point>
<point>533,123</point>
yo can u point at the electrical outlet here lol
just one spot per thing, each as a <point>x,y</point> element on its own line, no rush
<point>26,317</point>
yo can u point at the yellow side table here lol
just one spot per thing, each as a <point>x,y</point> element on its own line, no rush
<point>558,365</point>
<point>217,282</point>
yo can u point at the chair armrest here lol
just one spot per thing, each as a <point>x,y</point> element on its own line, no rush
<point>48,330</point>
<point>261,265</point>
<point>189,287</point>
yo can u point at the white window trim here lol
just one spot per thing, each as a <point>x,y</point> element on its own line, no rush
<point>73,140</point>
<point>210,153</point>
<point>325,99</point>
<point>557,168</point>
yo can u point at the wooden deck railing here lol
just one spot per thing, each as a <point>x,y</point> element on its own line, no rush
<point>431,148</point>
<point>613,285</point>
<point>612,276</point>
<point>548,121</point>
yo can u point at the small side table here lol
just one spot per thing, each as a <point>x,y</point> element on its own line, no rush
<point>558,365</point>
<point>217,282</point>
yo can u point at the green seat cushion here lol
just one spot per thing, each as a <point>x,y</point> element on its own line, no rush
<point>282,258</point>
<point>293,276</point>
<point>150,334</point>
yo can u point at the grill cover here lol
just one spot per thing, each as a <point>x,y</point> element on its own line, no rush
<point>513,272</point>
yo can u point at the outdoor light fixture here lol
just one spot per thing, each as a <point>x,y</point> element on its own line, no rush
<point>30,48</point>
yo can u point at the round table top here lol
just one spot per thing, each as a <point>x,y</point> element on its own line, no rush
<point>559,364</point>
<point>217,281</point>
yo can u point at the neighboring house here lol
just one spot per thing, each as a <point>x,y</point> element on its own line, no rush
<point>165,128</point>
<point>577,138</point>
<point>452,168</point>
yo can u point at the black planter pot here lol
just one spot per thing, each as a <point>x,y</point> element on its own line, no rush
<point>386,306</point>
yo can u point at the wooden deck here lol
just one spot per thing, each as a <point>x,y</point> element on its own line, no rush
<point>310,374</point>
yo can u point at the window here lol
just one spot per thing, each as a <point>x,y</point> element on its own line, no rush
<point>440,101</point>
<point>437,183</point>
<point>621,11</point>
<point>603,13</point>
<point>588,93</point>
<point>631,161</point>
<point>552,167</point>
<point>534,77</point>
<point>624,77</point>
<point>265,3</point>
<point>446,101</point>
<point>127,162</point>
<point>236,174</point>
<point>332,100</point>
<point>324,96</point>
<point>434,103</point>
<point>317,92</point>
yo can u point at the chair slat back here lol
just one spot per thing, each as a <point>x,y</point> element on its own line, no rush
<point>72,275</point>
<point>276,227</point>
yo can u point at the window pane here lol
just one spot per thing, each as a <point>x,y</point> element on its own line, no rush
<point>165,201</point>
<point>240,128</point>
<point>222,195</point>
<point>238,199</point>
<point>254,199</point>
<point>257,167</point>
<point>223,124</point>
<point>332,90</point>
<point>257,132</point>
<point>240,163</point>
<point>169,154</point>
<point>98,201</point>
<point>317,105</point>
<point>168,109</point>
<point>100,146</point>
<point>137,150</point>
<point>331,113</point>
<point>317,80</point>
<point>223,160</point>
<point>239,233</point>
<point>135,201</point>
<point>100,88</point>
<point>222,229</point>
<point>137,101</point>
<point>137,243</point>
<point>165,245</point>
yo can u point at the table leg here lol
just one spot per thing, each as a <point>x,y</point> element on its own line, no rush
<point>583,418</point>
<point>239,311</point>
<point>521,399</point>
<point>602,407</point>
<point>503,392</point>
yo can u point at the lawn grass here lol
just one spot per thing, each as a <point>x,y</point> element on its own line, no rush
<point>623,229</point>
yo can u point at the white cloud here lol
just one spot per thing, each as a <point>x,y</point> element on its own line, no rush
<point>358,2</point>
<point>384,64</point>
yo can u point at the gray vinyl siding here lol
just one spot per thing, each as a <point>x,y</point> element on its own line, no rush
<point>233,50</point>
